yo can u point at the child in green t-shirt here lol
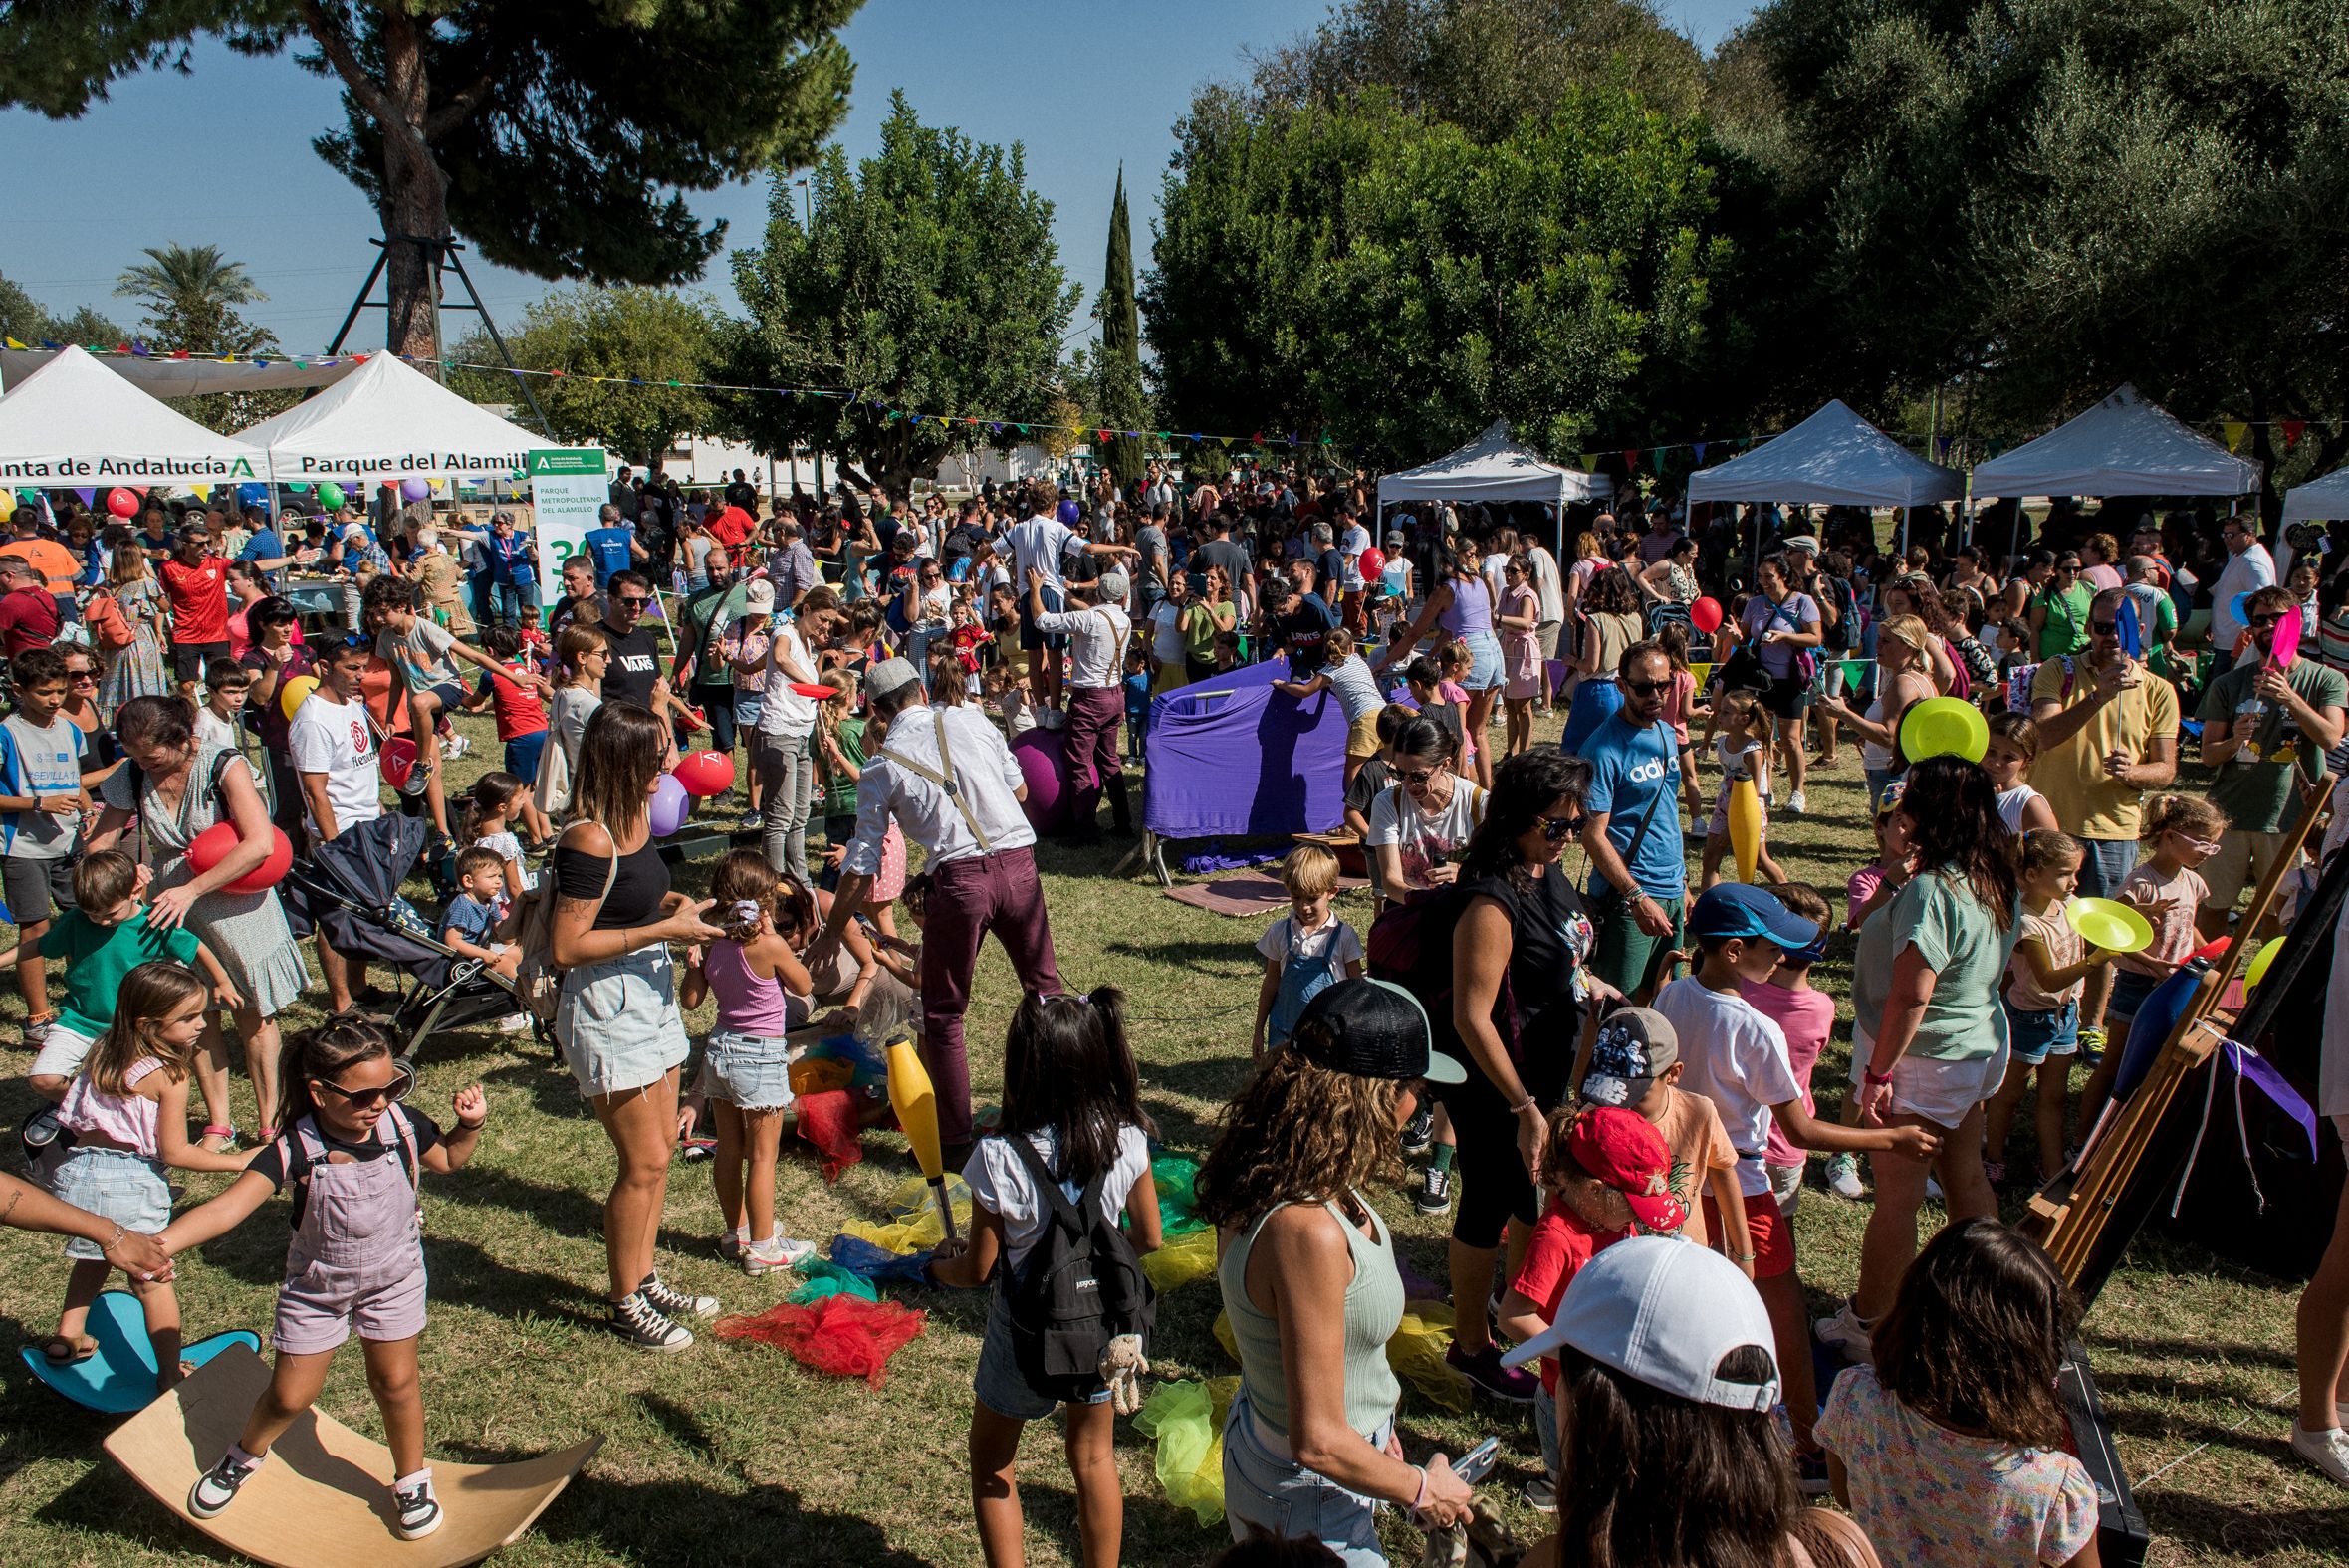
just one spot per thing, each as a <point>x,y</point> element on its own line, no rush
<point>840,762</point>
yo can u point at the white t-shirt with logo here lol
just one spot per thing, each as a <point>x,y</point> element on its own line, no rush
<point>1422,840</point>
<point>338,740</point>
<point>1736,1058</point>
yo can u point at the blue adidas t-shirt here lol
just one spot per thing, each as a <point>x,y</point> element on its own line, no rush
<point>1631,771</point>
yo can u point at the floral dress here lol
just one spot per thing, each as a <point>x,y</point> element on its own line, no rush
<point>136,670</point>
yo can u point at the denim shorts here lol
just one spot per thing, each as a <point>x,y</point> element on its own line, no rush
<point>112,1184</point>
<point>2035,1036</point>
<point>1267,1495</point>
<point>2105,866</point>
<point>746,708</point>
<point>1486,670</point>
<point>2130,987</point>
<point>618,1023</point>
<point>748,1072</point>
<point>998,1383</point>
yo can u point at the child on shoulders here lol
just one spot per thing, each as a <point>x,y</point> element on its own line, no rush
<point>1304,951</point>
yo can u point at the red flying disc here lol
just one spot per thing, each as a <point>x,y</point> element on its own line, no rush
<point>819,692</point>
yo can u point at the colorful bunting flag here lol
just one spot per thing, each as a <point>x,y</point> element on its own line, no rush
<point>2294,429</point>
<point>2235,430</point>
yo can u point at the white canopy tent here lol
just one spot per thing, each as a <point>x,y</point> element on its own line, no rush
<point>1492,468</point>
<point>2323,500</point>
<point>74,424</point>
<point>387,422</point>
<point>189,375</point>
<point>2124,446</point>
<point>1834,459</point>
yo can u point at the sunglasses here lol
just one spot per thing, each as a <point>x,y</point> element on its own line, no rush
<point>81,675</point>
<point>1419,776</point>
<point>1558,829</point>
<point>396,1090</point>
<point>2269,619</point>
<point>1647,688</point>
<point>634,604</point>
<point>2105,629</point>
<point>2069,566</point>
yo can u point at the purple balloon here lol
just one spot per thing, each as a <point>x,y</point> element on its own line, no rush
<point>416,489</point>
<point>670,805</point>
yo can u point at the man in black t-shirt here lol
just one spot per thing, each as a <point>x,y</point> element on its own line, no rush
<point>1221,550</point>
<point>741,493</point>
<point>1303,626</point>
<point>633,673</point>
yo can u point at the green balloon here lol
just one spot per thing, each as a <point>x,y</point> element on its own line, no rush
<point>330,495</point>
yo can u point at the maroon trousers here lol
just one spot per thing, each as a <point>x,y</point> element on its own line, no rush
<point>968,899</point>
<point>1091,745</point>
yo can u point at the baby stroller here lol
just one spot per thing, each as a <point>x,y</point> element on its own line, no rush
<point>352,889</point>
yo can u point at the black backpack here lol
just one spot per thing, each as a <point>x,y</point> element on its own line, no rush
<point>1844,635</point>
<point>1080,1287</point>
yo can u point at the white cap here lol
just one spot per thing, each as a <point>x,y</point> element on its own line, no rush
<point>1664,1310</point>
<point>760,599</point>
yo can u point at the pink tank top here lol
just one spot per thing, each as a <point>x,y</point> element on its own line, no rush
<point>749,1002</point>
<point>128,1119</point>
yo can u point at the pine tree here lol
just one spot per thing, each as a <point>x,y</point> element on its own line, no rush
<point>1121,364</point>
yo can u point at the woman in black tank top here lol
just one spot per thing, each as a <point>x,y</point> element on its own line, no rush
<point>617,1021</point>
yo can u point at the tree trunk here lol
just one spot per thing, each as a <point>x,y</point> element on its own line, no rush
<point>415,196</point>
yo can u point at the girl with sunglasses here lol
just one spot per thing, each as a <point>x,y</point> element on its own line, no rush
<point>355,1157</point>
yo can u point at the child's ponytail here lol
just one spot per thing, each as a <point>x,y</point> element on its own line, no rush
<point>492,793</point>
<point>744,887</point>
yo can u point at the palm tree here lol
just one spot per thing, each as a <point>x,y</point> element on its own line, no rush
<point>191,292</point>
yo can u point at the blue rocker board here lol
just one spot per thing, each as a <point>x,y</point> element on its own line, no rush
<point>120,1376</point>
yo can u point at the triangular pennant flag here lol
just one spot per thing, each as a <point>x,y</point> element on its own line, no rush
<point>1589,461</point>
<point>2294,429</point>
<point>13,343</point>
<point>1630,459</point>
<point>2234,429</point>
<point>1700,448</point>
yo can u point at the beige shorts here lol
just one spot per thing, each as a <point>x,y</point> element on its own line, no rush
<point>2242,861</point>
<point>1362,736</point>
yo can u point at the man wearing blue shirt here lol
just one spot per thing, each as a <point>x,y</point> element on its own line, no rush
<point>265,550</point>
<point>1632,825</point>
<point>612,545</point>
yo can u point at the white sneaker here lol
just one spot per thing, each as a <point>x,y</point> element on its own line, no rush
<point>777,1253</point>
<point>1843,1177</point>
<point>1845,1332</point>
<point>1932,1190</point>
<point>1050,719</point>
<point>2328,1450</point>
<point>514,1023</point>
<point>1796,804</point>
<point>1541,1494</point>
<point>455,745</point>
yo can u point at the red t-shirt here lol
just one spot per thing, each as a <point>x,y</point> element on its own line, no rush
<point>1562,1242</point>
<point>28,620</point>
<point>517,706</point>
<point>731,526</point>
<point>199,598</point>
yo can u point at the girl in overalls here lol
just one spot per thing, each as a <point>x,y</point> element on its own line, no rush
<point>1306,950</point>
<point>355,1157</point>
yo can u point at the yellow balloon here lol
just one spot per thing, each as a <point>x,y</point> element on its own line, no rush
<point>296,692</point>
<point>2257,969</point>
<point>1745,827</point>
<point>7,503</point>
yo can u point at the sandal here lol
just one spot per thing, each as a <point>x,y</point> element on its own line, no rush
<point>59,1351</point>
<point>226,1134</point>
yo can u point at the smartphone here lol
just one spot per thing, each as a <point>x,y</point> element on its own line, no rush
<point>1477,1463</point>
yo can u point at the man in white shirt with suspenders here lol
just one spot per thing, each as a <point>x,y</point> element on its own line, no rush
<point>946,777</point>
<point>1097,632</point>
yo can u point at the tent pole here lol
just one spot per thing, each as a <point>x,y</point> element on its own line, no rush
<point>1904,537</point>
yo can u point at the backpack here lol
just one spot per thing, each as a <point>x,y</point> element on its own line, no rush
<point>1080,1287</point>
<point>1844,635</point>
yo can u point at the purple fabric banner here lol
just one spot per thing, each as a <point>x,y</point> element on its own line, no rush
<point>1231,756</point>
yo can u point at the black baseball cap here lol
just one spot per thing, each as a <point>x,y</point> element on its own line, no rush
<point>1371,1028</point>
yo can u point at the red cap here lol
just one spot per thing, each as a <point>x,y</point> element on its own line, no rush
<point>1623,1150</point>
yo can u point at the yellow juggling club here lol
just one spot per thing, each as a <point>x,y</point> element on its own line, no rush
<point>1745,826</point>
<point>916,1105</point>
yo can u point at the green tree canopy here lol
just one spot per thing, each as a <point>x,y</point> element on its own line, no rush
<point>1363,271</point>
<point>1117,370</point>
<point>26,320</point>
<point>928,282</point>
<point>191,294</point>
<point>2048,199</point>
<point>638,340</point>
<point>557,138</point>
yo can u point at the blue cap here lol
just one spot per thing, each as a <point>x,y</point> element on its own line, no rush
<point>1735,909</point>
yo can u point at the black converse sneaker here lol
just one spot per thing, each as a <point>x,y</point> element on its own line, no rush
<point>217,1488</point>
<point>675,1302</point>
<point>645,1326</point>
<point>416,1512</point>
<point>1420,1131</point>
<point>1435,1191</point>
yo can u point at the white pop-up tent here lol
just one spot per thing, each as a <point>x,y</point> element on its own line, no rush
<point>74,424</point>
<point>2124,446</point>
<point>1492,468</point>
<point>387,422</point>
<point>1835,459</point>
<point>2323,500</point>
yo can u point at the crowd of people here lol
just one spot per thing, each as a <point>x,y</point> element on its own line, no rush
<point>1584,1063</point>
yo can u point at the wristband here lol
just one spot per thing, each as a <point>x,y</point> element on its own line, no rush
<point>472,1126</point>
<point>1741,1258</point>
<point>1522,1105</point>
<point>1876,1080</point>
<point>119,1233</point>
<point>1421,1495</point>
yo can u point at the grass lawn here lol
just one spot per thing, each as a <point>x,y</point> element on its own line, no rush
<point>733,1452</point>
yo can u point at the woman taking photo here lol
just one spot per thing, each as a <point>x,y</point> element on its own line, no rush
<point>1427,815</point>
<point>1781,625</point>
<point>2060,611</point>
<point>1520,653</point>
<point>1309,1279</point>
<point>1610,623</point>
<point>1515,966</point>
<point>1210,614</point>
<point>171,790</point>
<point>1903,678</point>
<point>1939,1049</point>
<point>617,1020</point>
<point>1461,603</point>
<point>582,654</point>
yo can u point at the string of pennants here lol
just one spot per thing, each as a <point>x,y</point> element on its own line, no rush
<point>2233,431</point>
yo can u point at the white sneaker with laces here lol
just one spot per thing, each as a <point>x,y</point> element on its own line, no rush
<point>416,1512</point>
<point>1845,1332</point>
<point>514,1023</point>
<point>1843,1177</point>
<point>1796,804</point>
<point>777,1252</point>
<point>2328,1450</point>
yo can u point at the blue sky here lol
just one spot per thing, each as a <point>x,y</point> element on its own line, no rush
<point>223,156</point>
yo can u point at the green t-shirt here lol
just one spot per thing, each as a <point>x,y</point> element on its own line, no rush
<point>2254,787</point>
<point>99,958</point>
<point>839,795</point>
<point>1952,928</point>
<point>706,617</point>
<point>1200,628</point>
<point>2065,630</point>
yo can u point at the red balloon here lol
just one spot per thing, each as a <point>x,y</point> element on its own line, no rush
<point>122,503</point>
<point>1705,614</point>
<point>215,843</point>
<point>1372,564</point>
<point>705,773</point>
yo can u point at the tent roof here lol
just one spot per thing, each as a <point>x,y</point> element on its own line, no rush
<point>172,376</point>
<point>2124,446</point>
<point>74,422</point>
<point>388,421</point>
<point>2323,500</point>
<point>1492,468</point>
<point>1833,458</point>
